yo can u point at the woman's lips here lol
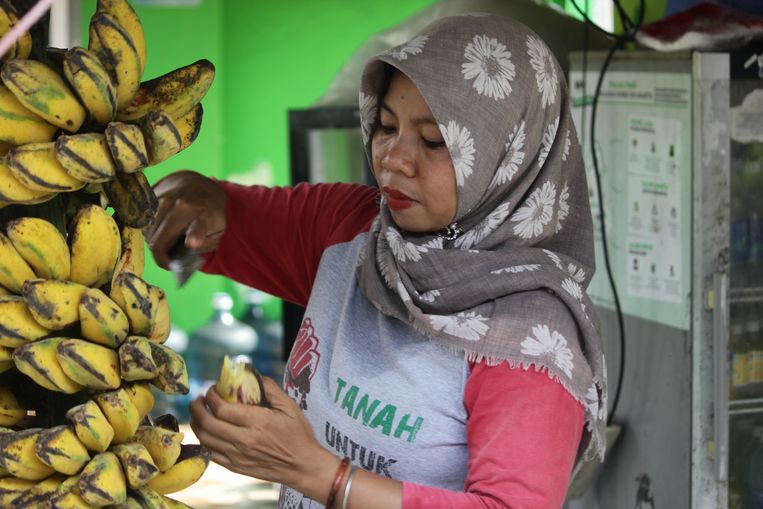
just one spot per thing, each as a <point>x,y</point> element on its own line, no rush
<point>397,200</point>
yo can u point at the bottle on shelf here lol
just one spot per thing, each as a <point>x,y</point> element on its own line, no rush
<point>207,346</point>
<point>267,357</point>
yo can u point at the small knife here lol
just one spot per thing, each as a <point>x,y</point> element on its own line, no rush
<point>183,261</point>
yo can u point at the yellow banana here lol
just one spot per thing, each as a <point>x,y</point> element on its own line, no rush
<point>18,457</point>
<point>13,191</point>
<point>125,16</point>
<point>42,90</point>
<point>127,146</point>
<point>17,325</point>
<point>86,157</point>
<point>132,198</point>
<point>135,360</point>
<point>147,498</point>
<point>42,246</point>
<point>188,469</point>
<point>162,325</point>
<point>39,494</point>
<point>133,255</point>
<point>35,165</point>
<point>92,83</point>
<point>138,300</point>
<point>39,362</point>
<point>189,126</point>
<point>89,364</point>
<point>14,270</point>
<point>102,481</point>
<point>8,19</point>
<point>162,136</point>
<point>91,426</point>
<point>131,503</point>
<point>117,52</point>
<point>137,464</point>
<point>141,396</point>
<point>173,375</point>
<point>95,246</point>
<point>240,383</point>
<point>175,504</point>
<point>163,445</point>
<point>54,303</point>
<point>13,487</point>
<point>102,321</point>
<point>67,496</point>
<point>121,412</point>
<point>20,125</point>
<point>59,448</point>
<point>175,93</point>
<point>11,413</point>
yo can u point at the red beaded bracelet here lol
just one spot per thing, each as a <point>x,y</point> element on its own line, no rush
<point>337,480</point>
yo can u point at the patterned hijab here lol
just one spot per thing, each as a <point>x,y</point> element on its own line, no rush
<point>511,286</point>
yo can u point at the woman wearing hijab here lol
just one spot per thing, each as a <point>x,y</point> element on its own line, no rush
<point>449,355</point>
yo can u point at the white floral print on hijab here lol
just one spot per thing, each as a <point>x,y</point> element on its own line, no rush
<point>512,287</point>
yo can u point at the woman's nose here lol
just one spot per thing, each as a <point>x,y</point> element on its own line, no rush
<point>400,157</point>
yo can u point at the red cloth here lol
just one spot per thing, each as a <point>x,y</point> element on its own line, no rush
<point>523,430</point>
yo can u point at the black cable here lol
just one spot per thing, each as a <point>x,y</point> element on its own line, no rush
<point>588,21</point>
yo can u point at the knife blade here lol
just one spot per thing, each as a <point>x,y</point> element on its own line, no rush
<point>183,261</point>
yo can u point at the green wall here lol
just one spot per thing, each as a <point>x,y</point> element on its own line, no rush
<point>270,56</point>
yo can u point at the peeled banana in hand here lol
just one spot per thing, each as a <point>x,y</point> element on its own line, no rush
<point>240,382</point>
<point>77,318</point>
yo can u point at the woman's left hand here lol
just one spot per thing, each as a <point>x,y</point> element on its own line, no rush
<point>274,443</point>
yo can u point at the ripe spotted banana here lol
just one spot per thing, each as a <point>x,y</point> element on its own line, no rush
<point>138,300</point>
<point>163,445</point>
<point>141,396</point>
<point>67,496</point>
<point>240,382</point>
<point>135,360</point>
<point>161,327</point>
<point>133,257</point>
<point>59,448</point>
<point>125,16</point>
<point>42,246</point>
<point>133,199</point>
<point>39,362</point>
<point>136,462</point>
<point>86,157</point>
<point>91,365</point>
<point>20,125</point>
<point>13,191</point>
<point>35,165</point>
<point>44,91</point>
<point>121,413</point>
<point>102,481</point>
<point>127,146</point>
<point>116,50</point>
<point>8,19</point>
<point>13,487</point>
<point>17,325</point>
<point>102,321</point>
<point>18,456</point>
<point>95,246</point>
<point>163,139</point>
<point>188,469</point>
<point>38,494</point>
<point>14,269</point>
<point>91,426</point>
<point>54,303</point>
<point>176,93</point>
<point>92,83</point>
<point>147,498</point>
<point>173,375</point>
<point>11,413</point>
<point>189,126</point>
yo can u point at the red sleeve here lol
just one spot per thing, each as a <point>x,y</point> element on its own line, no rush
<point>522,433</point>
<point>275,236</point>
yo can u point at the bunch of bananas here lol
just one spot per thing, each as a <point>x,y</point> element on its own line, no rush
<point>77,318</point>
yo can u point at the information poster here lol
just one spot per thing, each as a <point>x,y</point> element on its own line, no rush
<point>643,147</point>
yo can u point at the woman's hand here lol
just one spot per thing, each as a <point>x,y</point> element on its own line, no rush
<point>190,204</point>
<point>274,443</point>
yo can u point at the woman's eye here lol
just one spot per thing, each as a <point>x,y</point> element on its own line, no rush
<point>386,129</point>
<point>434,144</point>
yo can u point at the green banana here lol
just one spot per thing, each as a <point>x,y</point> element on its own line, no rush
<point>102,321</point>
<point>133,199</point>
<point>17,455</point>
<point>162,444</point>
<point>135,360</point>
<point>121,412</point>
<point>19,125</point>
<point>17,325</point>
<point>127,146</point>
<point>137,464</point>
<point>42,246</point>
<point>173,375</point>
<point>59,448</point>
<point>188,469</point>
<point>39,362</point>
<point>95,245</point>
<point>91,426</point>
<point>86,157</point>
<point>42,90</point>
<point>54,303</point>
<point>91,365</point>
<point>92,83</point>
<point>102,481</point>
<point>14,269</point>
<point>176,93</point>
<point>117,51</point>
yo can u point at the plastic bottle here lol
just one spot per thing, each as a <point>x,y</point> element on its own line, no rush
<point>267,356</point>
<point>208,345</point>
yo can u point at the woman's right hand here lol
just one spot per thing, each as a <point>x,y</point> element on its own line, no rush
<point>190,204</point>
